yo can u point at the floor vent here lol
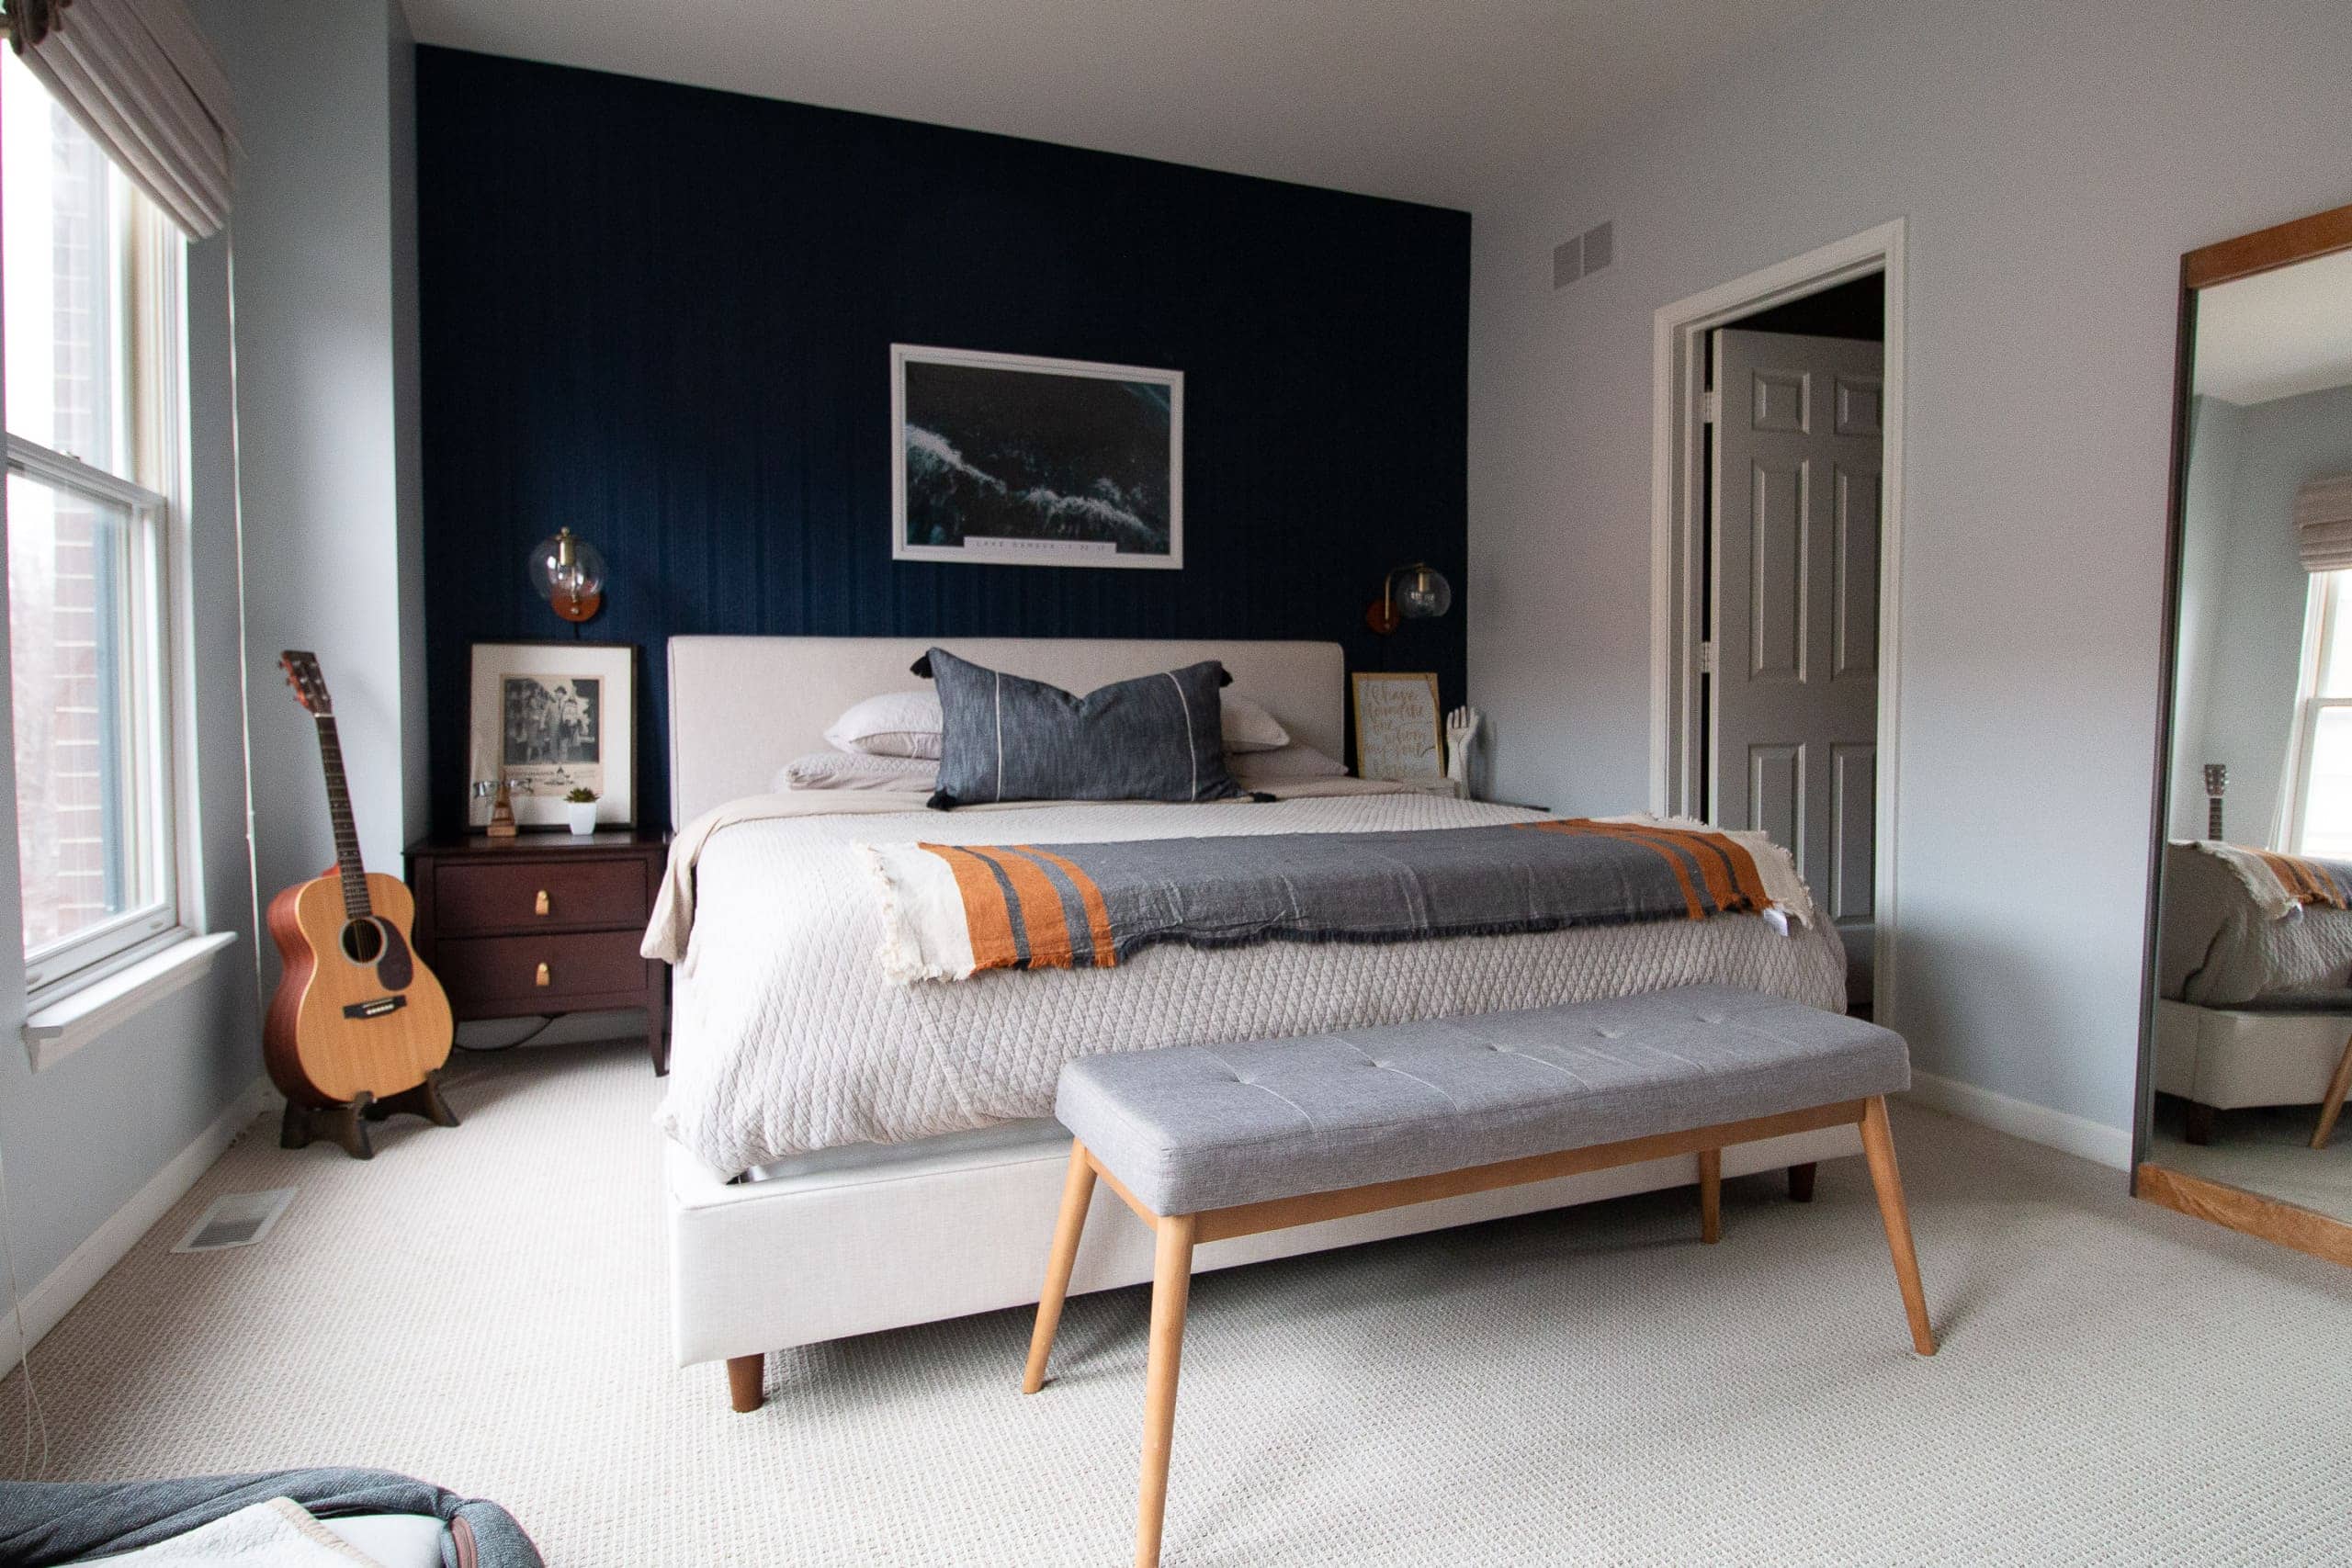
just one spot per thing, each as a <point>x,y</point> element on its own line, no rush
<point>236,1219</point>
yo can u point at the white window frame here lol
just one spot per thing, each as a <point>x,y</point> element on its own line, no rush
<point>2320,628</point>
<point>157,404</point>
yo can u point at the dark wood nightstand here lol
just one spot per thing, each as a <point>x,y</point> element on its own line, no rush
<point>544,923</point>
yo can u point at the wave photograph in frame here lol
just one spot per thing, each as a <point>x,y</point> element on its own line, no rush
<point>1013,459</point>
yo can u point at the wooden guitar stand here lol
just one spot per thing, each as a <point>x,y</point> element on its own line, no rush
<point>347,1122</point>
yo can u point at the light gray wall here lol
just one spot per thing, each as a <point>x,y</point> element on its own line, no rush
<point>2264,595</point>
<point>2054,162</point>
<point>2215,427</point>
<point>326,360</point>
<point>78,1140</point>
<point>325,340</point>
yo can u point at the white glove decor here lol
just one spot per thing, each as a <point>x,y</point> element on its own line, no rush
<point>1461,732</point>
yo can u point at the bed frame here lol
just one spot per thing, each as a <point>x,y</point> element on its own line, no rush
<point>2230,1058</point>
<point>850,1241</point>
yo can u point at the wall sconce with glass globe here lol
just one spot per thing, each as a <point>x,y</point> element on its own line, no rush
<point>570,575</point>
<point>1418,591</point>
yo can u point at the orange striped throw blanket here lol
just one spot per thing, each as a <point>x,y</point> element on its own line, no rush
<point>2282,885</point>
<point>952,910</point>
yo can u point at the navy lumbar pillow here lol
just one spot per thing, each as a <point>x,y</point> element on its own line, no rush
<point>1003,737</point>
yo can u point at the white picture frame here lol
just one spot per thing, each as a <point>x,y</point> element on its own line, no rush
<point>985,428</point>
<point>1399,735</point>
<point>551,715</point>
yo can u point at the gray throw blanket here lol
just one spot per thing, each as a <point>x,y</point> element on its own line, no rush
<point>46,1523</point>
<point>953,910</point>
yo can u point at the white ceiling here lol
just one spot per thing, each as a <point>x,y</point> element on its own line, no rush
<point>2278,333</point>
<point>1430,100</point>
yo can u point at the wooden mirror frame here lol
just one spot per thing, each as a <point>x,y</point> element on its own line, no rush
<point>2290,1224</point>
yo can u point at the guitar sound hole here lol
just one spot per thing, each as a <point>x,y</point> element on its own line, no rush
<point>363,941</point>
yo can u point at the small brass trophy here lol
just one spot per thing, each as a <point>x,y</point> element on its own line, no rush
<point>502,807</point>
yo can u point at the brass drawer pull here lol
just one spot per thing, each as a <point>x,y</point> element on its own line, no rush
<point>541,908</point>
<point>542,979</point>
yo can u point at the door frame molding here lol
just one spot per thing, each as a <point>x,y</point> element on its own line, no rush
<point>1678,340</point>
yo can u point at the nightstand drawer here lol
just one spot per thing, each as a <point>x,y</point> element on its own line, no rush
<point>532,895</point>
<point>553,970</point>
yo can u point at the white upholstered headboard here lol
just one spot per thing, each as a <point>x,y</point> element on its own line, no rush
<point>740,707</point>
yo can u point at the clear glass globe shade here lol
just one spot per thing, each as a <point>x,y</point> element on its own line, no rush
<point>1424,593</point>
<point>568,573</point>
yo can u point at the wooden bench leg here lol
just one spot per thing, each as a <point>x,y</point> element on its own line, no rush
<point>1078,1191</point>
<point>744,1376</point>
<point>1800,1182</point>
<point>2332,1106</point>
<point>1878,1147</point>
<point>1171,1286</point>
<point>1711,1196</point>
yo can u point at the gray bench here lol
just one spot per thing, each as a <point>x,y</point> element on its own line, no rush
<point>1204,1144</point>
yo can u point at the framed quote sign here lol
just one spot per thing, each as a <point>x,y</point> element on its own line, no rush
<point>1398,734</point>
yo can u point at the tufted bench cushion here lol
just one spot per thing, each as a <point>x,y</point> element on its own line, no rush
<point>1193,1128</point>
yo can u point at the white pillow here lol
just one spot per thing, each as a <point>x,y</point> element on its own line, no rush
<point>850,770</point>
<point>1249,728</point>
<point>895,723</point>
<point>1295,761</point>
<point>907,724</point>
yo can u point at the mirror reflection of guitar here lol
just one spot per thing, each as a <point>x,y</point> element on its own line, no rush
<point>359,1027</point>
<point>2217,781</point>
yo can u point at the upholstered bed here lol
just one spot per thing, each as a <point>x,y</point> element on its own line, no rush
<point>847,1152</point>
<point>2253,999</point>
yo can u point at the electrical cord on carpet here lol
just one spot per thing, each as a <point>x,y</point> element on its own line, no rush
<point>508,1046</point>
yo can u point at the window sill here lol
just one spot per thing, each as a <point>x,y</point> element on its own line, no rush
<point>59,1027</point>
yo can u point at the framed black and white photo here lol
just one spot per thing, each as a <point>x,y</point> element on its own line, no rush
<point>1005,458</point>
<point>551,718</point>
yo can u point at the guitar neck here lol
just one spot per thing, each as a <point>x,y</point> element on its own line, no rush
<point>346,833</point>
<point>2214,816</point>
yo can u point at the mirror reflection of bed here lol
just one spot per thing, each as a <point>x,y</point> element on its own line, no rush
<point>2250,1048</point>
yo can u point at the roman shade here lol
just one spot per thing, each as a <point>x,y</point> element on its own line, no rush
<point>140,78</point>
<point>2323,524</point>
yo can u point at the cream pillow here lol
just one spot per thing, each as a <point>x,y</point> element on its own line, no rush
<point>1295,761</point>
<point>1249,728</point>
<point>895,723</point>
<point>907,724</point>
<point>850,770</point>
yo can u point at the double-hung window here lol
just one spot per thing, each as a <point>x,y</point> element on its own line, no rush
<point>92,282</point>
<point>2319,816</point>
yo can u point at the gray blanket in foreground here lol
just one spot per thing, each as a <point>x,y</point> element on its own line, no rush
<point>45,1523</point>
<point>1093,905</point>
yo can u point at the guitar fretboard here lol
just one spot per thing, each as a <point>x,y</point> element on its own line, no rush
<point>346,833</point>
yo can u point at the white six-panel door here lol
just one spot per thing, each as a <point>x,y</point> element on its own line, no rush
<point>1793,711</point>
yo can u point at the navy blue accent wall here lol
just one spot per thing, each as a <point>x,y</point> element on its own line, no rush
<point>662,316</point>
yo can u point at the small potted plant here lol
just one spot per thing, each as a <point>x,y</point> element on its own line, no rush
<point>582,805</point>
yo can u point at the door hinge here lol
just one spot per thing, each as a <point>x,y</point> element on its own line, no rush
<point>1709,407</point>
<point>1706,659</point>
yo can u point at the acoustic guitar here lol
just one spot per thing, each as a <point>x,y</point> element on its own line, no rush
<point>360,1029</point>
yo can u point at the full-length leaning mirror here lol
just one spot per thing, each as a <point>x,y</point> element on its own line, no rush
<point>2248,1051</point>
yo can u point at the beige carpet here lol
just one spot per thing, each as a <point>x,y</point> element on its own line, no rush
<point>2265,1149</point>
<point>484,1307</point>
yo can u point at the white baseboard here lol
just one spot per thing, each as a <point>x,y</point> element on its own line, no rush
<point>2077,1135</point>
<point>51,1300</point>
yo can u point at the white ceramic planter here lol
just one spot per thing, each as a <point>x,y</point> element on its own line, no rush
<point>583,816</point>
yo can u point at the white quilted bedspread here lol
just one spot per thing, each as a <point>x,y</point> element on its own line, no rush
<point>787,1039</point>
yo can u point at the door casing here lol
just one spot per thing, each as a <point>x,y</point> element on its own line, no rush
<point>1678,480</point>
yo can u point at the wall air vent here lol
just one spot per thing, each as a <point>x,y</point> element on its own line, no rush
<point>1568,262</point>
<point>1585,255</point>
<point>1600,246</point>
